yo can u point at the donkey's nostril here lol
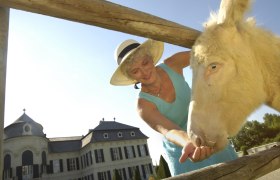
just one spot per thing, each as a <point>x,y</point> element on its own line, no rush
<point>198,141</point>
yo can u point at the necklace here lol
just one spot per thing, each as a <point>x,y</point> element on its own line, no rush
<point>158,94</point>
<point>152,90</point>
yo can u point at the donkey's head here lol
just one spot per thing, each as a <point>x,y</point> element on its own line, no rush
<point>227,85</point>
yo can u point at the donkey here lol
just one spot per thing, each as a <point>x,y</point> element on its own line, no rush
<point>236,68</point>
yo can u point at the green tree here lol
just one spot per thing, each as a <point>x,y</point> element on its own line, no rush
<point>163,170</point>
<point>117,176</point>
<point>255,133</point>
<point>250,135</point>
<point>272,120</point>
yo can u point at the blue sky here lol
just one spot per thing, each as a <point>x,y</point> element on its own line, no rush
<point>59,70</point>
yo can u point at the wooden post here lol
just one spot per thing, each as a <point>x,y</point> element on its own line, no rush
<point>245,168</point>
<point>4,27</point>
<point>110,16</point>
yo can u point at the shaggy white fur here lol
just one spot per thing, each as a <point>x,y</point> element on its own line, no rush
<point>235,69</point>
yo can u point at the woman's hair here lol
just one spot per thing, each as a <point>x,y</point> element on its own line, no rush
<point>140,54</point>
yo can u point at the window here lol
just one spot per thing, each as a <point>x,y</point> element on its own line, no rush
<point>129,152</point>
<point>27,129</point>
<point>120,134</point>
<point>90,157</point>
<point>122,173</point>
<point>132,133</point>
<point>99,156</point>
<point>27,172</point>
<point>71,164</point>
<point>7,167</point>
<point>87,159</point>
<point>57,165</point>
<point>27,158</point>
<point>106,175</point>
<point>116,153</point>
<point>143,150</point>
<point>44,162</point>
<point>146,170</point>
<point>132,171</point>
<point>105,135</point>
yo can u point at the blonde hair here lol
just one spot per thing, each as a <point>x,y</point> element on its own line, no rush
<point>139,54</point>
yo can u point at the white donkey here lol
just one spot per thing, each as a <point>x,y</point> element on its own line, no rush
<point>236,68</point>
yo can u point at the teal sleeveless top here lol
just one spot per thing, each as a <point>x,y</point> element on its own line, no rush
<point>177,112</point>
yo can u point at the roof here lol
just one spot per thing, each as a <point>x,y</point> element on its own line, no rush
<point>112,125</point>
<point>64,146</point>
<point>106,131</point>
<point>113,131</point>
<point>24,126</point>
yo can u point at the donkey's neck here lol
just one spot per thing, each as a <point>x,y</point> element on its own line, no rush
<point>267,51</point>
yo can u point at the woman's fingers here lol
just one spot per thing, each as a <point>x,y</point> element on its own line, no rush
<point>187,152</point>
<point>195,153</point>
<point>201,153</point>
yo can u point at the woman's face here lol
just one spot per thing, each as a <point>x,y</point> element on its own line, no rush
<point>142,69</point>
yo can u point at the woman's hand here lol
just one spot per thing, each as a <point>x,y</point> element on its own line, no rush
<point>195,153</point>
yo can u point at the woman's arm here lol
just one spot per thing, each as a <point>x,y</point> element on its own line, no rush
<point>172,132</point>
<point>178,61</point>
<point>150,114</point>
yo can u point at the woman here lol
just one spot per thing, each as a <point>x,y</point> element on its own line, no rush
<point>163,102</point>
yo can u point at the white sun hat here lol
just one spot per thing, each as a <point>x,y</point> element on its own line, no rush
<point>126,50</point>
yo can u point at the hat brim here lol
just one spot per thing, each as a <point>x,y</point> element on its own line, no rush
<point>156,50</point>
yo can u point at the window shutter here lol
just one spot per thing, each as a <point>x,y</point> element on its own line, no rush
<point>77,163</point>
<point>143,171</point>
<point>35,171</point>
<point>51,166</point>
<point>146,149</point>
<point>61,165</point>
<point>124,173</point>
<point>109,175</point>
<point>19,172</point>
<point>95,154</point>
<point>90,157</point>
<point>151,168</point>
<point>125,152</point>
<point>112,154</point>
<point>82,162</point>
<point>139,152</point>
<point>120,152</point>
<point>11,172</point>
<point>102,154</point>
<point>68,164</point>
<point>134,154</point>
<point>130,172</point>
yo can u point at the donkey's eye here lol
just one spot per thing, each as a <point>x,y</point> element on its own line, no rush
<point>213,66</point>
<point>212,69</point>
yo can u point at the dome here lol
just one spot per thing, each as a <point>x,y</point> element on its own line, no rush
<point>24,126</point>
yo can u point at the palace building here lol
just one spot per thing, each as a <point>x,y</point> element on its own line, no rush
<point>109,147</point>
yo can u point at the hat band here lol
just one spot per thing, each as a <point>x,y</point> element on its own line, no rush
<point>126,50</point>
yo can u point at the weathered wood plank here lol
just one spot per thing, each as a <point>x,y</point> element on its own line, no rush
<point>247,167</point>
<point>110,16</point>
<point>4,28</point>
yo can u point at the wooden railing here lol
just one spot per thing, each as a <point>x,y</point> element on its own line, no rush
<point>110,16</point>
<point>95,12</point>
<point>243,168</point>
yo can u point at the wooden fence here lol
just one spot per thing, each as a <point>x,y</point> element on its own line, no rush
<point>115,17</point>
<point>244,168</point>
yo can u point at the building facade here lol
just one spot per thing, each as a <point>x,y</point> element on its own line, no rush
<point>262,147</point>
<point>109,147</point>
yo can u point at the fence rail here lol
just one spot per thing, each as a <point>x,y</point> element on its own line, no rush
<point>246,167</point>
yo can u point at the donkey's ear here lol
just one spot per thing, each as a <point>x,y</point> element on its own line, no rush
<point>232,11</point>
